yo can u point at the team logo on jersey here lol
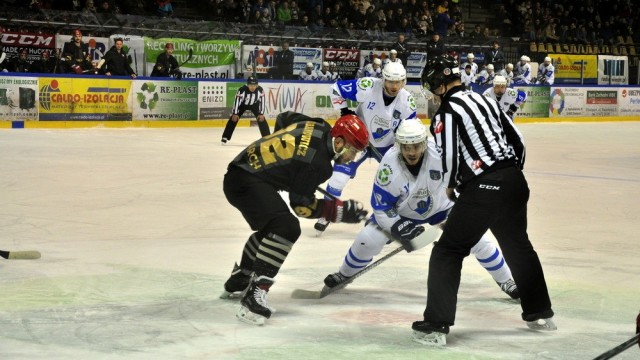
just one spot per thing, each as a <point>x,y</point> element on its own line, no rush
<point>365,83</point>
<point>396,114</point>
<point>384,175</point>
<point>412,102</point>
<point>434,174</point>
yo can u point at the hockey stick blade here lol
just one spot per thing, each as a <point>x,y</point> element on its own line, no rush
<point>310,294</point>
<point>20,255</point>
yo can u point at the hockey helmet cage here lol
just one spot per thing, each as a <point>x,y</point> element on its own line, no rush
<point>394,71</point>
<point>411,131</point>
<point>440,70</point>
<point>499,80</point>
<point>353,130</point>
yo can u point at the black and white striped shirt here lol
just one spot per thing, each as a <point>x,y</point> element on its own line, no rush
<point>246,98</point>
<point>472,134</point>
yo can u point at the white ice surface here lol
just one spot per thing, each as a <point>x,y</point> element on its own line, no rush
<point>137,239</point>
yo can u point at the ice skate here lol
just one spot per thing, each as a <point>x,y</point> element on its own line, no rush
<point>321,226</point>
<point>237,283</point>
<point>224,140</point>
<point>430,334</point>
<point>542,324</point>
<point>335,279</point>
<point>254,308</point>
<point>509,287</point>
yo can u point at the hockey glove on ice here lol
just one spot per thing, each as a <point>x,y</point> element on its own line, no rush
<point>405,230</point>
<point>348,211</point>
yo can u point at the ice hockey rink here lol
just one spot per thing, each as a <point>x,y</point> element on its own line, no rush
<point>137,240</point>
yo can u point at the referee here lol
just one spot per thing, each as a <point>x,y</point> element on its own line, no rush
<point>249,97</point>
<point>482,156</point>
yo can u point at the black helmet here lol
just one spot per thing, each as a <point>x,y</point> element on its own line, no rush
<point>440,70</point>
<point>251,80</point>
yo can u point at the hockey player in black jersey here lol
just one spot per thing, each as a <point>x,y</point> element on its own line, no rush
<point>297,159</point>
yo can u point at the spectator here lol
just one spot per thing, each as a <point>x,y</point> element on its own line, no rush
<point>435,47</point>
<point>494,56</point>
<point>89,7</point>
<point>246,11</point>
<point>164,8</point>
<point>401,47</point>
<point>424,24</point>
<point>284,13</point>
<point>441,24</point>
<point>295,12</point>
<point>476,33</point>
<point>116,61</point>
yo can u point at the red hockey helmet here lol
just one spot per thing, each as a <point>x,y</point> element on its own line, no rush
<point>353,130</point>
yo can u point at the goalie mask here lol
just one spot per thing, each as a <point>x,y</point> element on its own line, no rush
<point>411,139</point>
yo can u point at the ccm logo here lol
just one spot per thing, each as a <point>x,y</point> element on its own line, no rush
<point>489,187</point>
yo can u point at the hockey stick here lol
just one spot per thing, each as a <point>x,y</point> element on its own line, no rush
<point>20,255</point>
<point>311,294</point>
<point>620,348</point>
<point>188,58</point>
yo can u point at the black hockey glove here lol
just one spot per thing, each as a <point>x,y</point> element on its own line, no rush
<point>405,230</point>
<point>348,211</point>
<point>346,111</point>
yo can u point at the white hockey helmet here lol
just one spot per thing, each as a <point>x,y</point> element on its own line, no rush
<point>394,71</point>
<point>509,66</point>
<point>499,80</point>
<point>411,131</point>
<point>524,58</point>
<point>310,64</point>
<point>547,59</point>
<point>490,67</point>
<point>377,61</point>
<point>325,63</point>
<point>470,56</point>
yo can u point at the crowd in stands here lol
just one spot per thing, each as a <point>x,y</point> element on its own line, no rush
<point>595,22</point>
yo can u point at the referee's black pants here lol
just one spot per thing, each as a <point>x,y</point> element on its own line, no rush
<point>495,201</point>
<point>231,125</point>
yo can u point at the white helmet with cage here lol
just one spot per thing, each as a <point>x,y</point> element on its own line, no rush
<point>394,71</point>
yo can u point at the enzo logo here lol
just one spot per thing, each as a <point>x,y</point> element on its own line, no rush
<point>489,187</point>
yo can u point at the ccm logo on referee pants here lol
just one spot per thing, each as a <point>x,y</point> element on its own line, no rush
<point>489,187</point>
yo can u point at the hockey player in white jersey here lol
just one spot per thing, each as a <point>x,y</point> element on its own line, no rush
<point>372,69</point>
<point>467,77</point>
<point>507,72</point>
<point>508,99</point>
<point>324,74</point>
<point>409,192</point>
<point>546,72</point>
<point>522,71</point>
<point>382,104</point>
<point>308,73</point>
<point>485,77</point>
<point>393,57</point>
<point>335,75</point>
<point>474,66</point>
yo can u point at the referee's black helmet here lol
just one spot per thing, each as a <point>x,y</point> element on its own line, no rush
<point>440,70</point>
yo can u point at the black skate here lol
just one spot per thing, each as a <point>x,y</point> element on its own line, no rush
<point>321,226</point>
<point>335,279</point>
<point>428,333</point>
<point>237,284</point>
<point>254,309</point>
<point>509,287</point>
